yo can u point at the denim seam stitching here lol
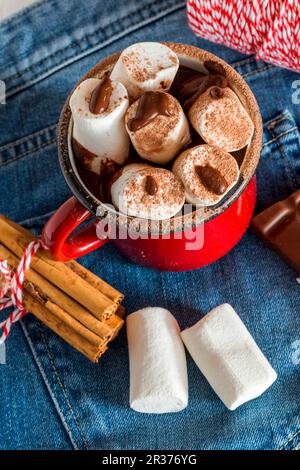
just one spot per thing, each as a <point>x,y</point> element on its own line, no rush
<point>25,154</point>
<point>89,36</point>
<point>290,438</point>
<point>90,50</point>
<point>277,121</point>
<point>35,219</point>
<point>257,71</point>
<point>290,171</point>
<point>280,135</point>
<point>64,391</point>
<point>285,114</point>
<point>296,446</point>
<point>18,17</point>
<point>246,61</point>
<point>28,137</point>
<point>43,374</point>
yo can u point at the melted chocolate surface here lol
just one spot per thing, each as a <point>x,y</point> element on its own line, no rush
<point>151,104</point>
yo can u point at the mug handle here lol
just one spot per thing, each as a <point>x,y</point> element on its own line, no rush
<point>57,234</point>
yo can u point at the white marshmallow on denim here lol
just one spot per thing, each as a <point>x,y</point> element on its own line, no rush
<point>228,357</point>
<point>158,374</point>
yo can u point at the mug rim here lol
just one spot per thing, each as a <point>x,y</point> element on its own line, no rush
<point>200,215</point>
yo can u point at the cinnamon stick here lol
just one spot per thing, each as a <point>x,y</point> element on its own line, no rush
<point>59,274</point>
<point>84,310</point>
<point>84,273</point>
<point>54,298</point>
<point>86,345</point>
<point>95,281</point>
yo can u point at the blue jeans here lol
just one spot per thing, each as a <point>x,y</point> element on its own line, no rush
<point>50,396</point>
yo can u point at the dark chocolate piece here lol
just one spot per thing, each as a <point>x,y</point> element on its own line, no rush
<point>151,104</point>
<point>279,226</point>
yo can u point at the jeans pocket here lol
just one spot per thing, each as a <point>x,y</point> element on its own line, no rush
<point>27,145</point>
<point>278,173</point>
<point>32,183</point>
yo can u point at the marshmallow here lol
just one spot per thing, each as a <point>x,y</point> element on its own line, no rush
<point>158,374</point>
<point>157,126</point>
<point>207,173</point>
<point>142,191</point>
<point>146,66</point>
<point>99,134</point>
<point>228,357</point>
<point>220,119</point>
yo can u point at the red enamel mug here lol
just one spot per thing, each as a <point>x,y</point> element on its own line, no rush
<point>190,241</point>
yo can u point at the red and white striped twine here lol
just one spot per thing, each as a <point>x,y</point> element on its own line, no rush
<point>270,29</point>
<point>14,285</point>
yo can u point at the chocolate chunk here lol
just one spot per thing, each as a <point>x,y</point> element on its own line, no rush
<point>212,179</point>
<point>279,227</point>
<point>151,185</point>
<point>151,104</point>
<point>101,97</point>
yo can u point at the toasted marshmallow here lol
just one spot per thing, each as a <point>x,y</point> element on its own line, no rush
<point>146,66</point>
<point>146,192</point>
<point>99,128</point>
<point>220,119</point>
<point>157,126</point>
<point>207,173</point>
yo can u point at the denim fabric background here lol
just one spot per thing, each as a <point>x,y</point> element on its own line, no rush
<point>52,397</point>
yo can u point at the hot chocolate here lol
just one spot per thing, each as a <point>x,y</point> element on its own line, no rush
<point>187,121</point>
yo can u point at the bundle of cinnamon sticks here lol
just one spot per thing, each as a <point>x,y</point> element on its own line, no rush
<point>73,302</point>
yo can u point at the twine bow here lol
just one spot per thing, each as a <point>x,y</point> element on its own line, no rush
<point>13,284</point>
